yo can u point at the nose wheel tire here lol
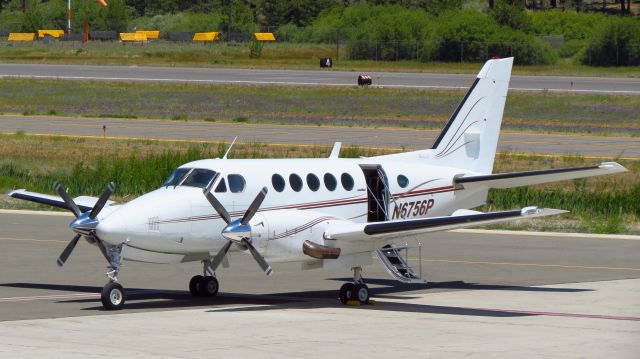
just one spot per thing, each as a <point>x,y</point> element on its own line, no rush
<point>345,292</point>
<point>112,296</point>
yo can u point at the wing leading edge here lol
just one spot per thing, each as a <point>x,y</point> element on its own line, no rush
<point>85,203</point>
<point>459,219</point>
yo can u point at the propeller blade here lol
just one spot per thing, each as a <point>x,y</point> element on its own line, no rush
<point>67,199</point>
<point>104,197</point>
<point>258,257</point>
<point>218,207</point>
<point>220,256</point>
<point>67,251</point>
<point>255,205</point>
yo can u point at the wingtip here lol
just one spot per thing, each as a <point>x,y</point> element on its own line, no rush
<point>613,167</point>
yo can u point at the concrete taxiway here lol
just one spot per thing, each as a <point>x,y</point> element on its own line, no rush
<point>598,85</point>
<point>398,139</point>
<point>490,294</point>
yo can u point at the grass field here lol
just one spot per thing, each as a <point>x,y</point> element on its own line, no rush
<point>372,107</point>
<point>274,55</point>
<point>608,204</point>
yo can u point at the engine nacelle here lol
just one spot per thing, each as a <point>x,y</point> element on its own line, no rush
<point>286,231</point>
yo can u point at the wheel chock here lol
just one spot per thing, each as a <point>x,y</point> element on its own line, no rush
<point>371,302</point>
<point>353,302</point>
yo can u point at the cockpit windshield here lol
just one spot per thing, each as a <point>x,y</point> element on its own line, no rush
<point>193,177</point>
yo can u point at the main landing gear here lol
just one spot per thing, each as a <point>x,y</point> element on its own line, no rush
<point>355,291</point>
<point>205,285</point>
<point>112,295</point>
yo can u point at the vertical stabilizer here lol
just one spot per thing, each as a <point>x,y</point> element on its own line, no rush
<point>470,138</point>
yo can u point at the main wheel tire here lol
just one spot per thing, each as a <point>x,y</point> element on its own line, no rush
<point>112,296</point>
<point>194,285</point>
<point>210,287</point>
<point>360,293</point>
<point>345,292</point>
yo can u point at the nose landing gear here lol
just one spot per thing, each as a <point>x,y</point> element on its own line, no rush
<point>357,291</point>
<point>112,295</point>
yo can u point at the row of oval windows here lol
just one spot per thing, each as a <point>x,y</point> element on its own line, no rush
<point>330,182</point>
<point>237,182</point>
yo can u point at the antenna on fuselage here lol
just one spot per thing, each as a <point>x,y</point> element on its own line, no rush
<point>335,151</point>
<point>229,149</point>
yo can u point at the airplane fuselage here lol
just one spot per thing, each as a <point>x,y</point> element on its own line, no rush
<point>176,223</point>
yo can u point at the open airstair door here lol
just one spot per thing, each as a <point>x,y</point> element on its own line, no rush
<point>377,193</point>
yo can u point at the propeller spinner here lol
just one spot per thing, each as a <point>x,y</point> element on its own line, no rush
<point>85,223</point>
<point>239,231</point>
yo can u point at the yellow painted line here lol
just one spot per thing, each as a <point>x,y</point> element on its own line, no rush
<point>454,261</point>
<point>32,240</point>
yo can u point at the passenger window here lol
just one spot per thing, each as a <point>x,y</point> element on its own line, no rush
<point>222,186</point>
<point>403,181</point>
<point>347,181</point>
<point>277,182</point>
<point>313,182</point>
<point>236,183</point>
<point>330,181</point>
<point>296,182</point>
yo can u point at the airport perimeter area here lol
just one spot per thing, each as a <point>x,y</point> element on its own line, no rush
<point>490,294</point>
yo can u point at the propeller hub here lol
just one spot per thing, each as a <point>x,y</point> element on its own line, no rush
<point>84,224</point>
<point>236,232</point>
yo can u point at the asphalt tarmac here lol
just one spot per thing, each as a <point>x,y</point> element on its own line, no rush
<point>397,139</point>
<point>33,287</point>
<point>603,85</point>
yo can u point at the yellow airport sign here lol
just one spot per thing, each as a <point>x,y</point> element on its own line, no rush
<point>22,36</point>
<point>264,36</point>
<point>132,36</point>
<point>52,33</point>
<point>205,36</point>
<point>150,34</point>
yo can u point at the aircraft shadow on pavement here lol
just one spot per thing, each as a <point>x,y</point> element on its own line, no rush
<point>149,299</point>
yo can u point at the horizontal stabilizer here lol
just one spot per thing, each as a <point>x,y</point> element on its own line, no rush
<point>401,228</point>
<point>517,179</point>
<point>85,203</point>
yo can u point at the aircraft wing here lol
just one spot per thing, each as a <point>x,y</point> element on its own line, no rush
<point>517,179</point>
<point>85,203</point>
<point>459,219</point>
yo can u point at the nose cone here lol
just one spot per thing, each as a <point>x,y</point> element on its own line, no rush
<point>84,225</point>
<point>112,229</point>
<point>236,231</point>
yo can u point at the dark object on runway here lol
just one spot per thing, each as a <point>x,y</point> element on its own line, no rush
<point>364,80</point>
<point>326,62</point>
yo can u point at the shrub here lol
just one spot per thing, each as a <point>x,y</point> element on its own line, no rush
<point>615,44</point>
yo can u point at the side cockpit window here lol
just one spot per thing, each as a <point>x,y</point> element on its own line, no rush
<point>192,177</point>
<point>199,178</point>
<point>236,183</point>
<point>176,177</point>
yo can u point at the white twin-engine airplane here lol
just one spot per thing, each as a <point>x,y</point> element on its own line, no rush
<point>324,213</point>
